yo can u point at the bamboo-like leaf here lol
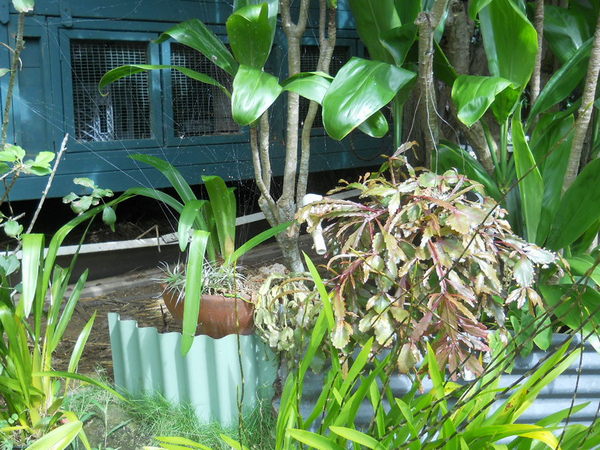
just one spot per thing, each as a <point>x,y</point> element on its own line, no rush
<point>563,82</point>
<point>67,313</point>
<point>256,240</point>
<point>223,206</point>
<point>314,440</point>
<point>196,35</point>
<point>323,294</point>
<point>235,445</point>
<point>578,208</point>
<point>251,34</point>
<point>190,216</point>
<point>83,378</point>
<point>193,287</point>
<point>181,441</point>
<point>254,91</point>
<point>157,195</point>
<point>359,90</point>
<point>473,95</point>
<point>503,431</point>
<point>505,28</point>
<point>531,185</point>
<point>59,438</point>
<point>177,181</point>
<point>356,437</point>
<point>125,71</point>
<point>80,344</point>
<point>33,246</point>
<point>310,85</point>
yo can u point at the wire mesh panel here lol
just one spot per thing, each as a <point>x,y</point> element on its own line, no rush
<point>125,112</point>
<point>199,109</point>
<point>309,57</point>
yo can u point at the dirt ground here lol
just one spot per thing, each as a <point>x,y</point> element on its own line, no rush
<point>138,298</point>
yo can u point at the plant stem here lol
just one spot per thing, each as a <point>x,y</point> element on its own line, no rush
<point>537,69</point>
<point>14,67</point>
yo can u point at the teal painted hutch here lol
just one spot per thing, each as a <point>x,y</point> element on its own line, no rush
<point>71,43</point>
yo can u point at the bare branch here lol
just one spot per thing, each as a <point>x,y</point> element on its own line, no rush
<point>258,175</point>
<point>63,149</point>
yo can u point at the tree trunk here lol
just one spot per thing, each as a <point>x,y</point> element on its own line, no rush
<point>585,110</point>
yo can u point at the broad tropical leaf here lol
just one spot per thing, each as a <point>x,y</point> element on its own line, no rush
<point>531,184</point>
<point>125,71</point>
<point>196,35</point>
<point>223,206</point>
<point>251,35</point>
<point>254,91</point>
<point>310,85</point>
<point>359,90</point>
<point>564,81</point>
<point>473,95</point>
<point>578,208</point>
<point>505,28</point>
<point>565,30</point>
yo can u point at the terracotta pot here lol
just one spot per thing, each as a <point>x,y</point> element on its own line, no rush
<point>219,315</point>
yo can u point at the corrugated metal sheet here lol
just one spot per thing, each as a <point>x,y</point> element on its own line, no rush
<point>209,377</point>
<point>555,397</point>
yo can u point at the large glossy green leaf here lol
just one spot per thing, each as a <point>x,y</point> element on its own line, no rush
<point>33,246</point>
<point>360,89</point>
<point>565,30</point>
<point>128,70</point>
<point>398,42</point>
<point>196,35</point>
<point>373,19</point>
<point>582,265</point>
<point>531,184</point>
<point>551,151</point>
<point>170,173</point>
<point>510,41</point>
<point>473,95</point>
<point>273,6</point>
<point>251,35</point>
<point>223,207</point>
<point>564,81</point>
<point>408,10</point>
<point>193,288</point>
<point>578,208</point>
<point>310,85</point>
<point>254,91</point>
<point>375,126</point>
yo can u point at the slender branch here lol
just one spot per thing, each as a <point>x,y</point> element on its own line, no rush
<point>258,175</point>
<point>537,69</point>
<point>63,149</point>
<point>327,39</point>
<point>14,68</point>
<point>585,110</point>
<point>294,36</point>
<point>265,160</point>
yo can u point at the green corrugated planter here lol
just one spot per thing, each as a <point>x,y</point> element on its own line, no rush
<point>209,377</point>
